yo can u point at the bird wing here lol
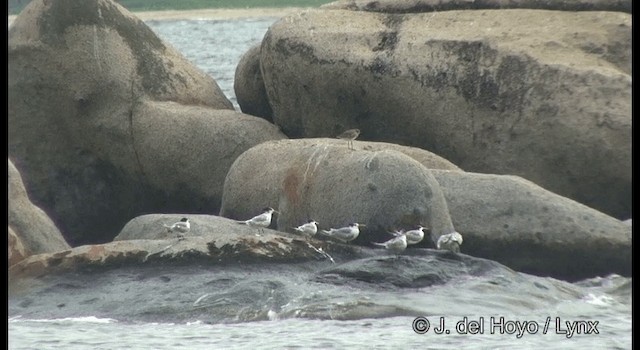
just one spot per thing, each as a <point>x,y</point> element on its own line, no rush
<point>397,233</point>
<point>415,236</point>
<point>305,227</point>
<point>342,234</point>
<point>346,234</point>
<point>397,239</point>
<point>262,218</point>
<point>341,231</point>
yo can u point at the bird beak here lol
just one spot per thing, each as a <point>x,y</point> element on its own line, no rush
<point>363,225</point>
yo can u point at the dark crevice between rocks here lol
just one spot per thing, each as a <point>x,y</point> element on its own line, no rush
<point>382,64</point>
<point>134,103</point>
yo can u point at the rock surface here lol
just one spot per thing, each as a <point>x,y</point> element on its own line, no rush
<point>30,231</point>
<point>521,225</point>
<point>249,86</point>
<point>106,121</point>
<point>16,249</point>
<point>324,180</point>
<point>370,285</point>
<point>212,249</point>
<point>545,95</point>
<point>414,6</point>
<point>151,226</point>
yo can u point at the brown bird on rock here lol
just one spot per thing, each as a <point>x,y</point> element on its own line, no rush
<point>349,135</point>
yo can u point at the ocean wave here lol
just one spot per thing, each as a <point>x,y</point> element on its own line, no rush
<point>85,319</point>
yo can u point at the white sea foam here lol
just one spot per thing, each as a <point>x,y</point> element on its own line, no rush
<point>600,300</point>
<point>86,319</point>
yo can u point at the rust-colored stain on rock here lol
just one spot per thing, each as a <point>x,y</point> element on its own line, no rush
<point>290,184</point>
<point>96,252</point>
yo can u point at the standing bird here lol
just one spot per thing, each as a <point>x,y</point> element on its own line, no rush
<point>413,236</point>
<point>349,135</point>
<point>451,241</point>
<point>260,221</point>
<point>396,244</point>
<point>181,227</point>
<point>344,234</point>
<point>309,229</point>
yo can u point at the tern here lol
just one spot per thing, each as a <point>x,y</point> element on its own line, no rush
<point>413,236</point>
<point>309,229</point>
<point>260,221</point>
<point>349,135</point>
<point>344,234</point>
<point>451,241</point>
<point>396,244</point>
<point>181,227</point>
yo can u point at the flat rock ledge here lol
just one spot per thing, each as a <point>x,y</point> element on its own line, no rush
<point>267,248</point>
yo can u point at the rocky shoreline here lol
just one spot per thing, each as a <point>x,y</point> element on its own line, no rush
<point>511,127</point>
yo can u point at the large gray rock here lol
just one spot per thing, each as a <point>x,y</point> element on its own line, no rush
<point>106,121</point>
<point>324,180</point>
<point>31,231</point>
<point>521,225</point>
<point>189,155</point>
<point>249,86</point>
<point>545,95</point>
<point>151,226</point>
<point>413,6</point>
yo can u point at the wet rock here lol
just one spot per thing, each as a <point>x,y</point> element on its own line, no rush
<point>31,231</point>
<point>324,180</point>
<point>249,86</point>
<point>418,270</point>
<point>106,121</point>
<point>521,225</point>
<point>364,286</point>
<point>540,94</point>
<point>214,249</point>
<point>415,6</point>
